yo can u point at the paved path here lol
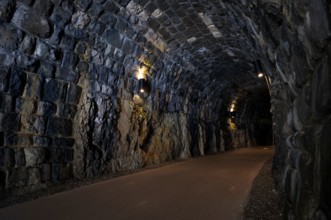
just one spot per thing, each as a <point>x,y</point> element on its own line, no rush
<point>210,187</point>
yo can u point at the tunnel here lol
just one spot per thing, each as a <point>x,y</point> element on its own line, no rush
<point>89,88</point>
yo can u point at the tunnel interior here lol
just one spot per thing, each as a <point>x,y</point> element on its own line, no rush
<point>105,86</point>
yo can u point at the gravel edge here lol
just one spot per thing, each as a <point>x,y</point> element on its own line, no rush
<point>264,201</point>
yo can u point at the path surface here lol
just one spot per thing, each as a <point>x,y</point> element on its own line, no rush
<point>210,187</point>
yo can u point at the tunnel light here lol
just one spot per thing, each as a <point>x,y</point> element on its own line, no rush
<point>141,85</point>
<point>260,75</point>
<point>258,68</point>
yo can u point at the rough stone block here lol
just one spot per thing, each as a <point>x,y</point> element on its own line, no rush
<point>106,89</point>
<point>17,82</point>
<point>6,9</point>
<point>27,63</point>
<point>61,142</point>
<point>8,157</point>
<point>19,157</point>
<point>73,94</point>
<point>4,79</point>
<point>46,69</point>
<point>108,19</point>
<point>33,124</point>
<point>34,156</point>
<point>67,43</point>
<point>15,139</point>
<point>53,91</point>
<point>69,59</point>
<point>68,155</point>
<point>8,37</point>
<point>42,7</point>
<point>317,22</point>
<point>33,88</point>
<point>46,109</point>
<point>96,27</point>
<point>25,106</point>
<point>79,20</point>
<point>6,103</point>
<point>34,176</point>
<point>66,74</point>
<point>66,111</point>
<point>82,67</point>
<point>28,44</point>
<point>95,8</point>
<point>121,25</point>
<point>44,51</point>
<point>10,122</point>
<point>41,141</point>
<point>17,177</point>
<point>128,47</point>
<point>6,59</point>
<point>28,20</point>
<point>46,173</point>
<point>113,37</point>
<point>59,126</point>
<point>60,17</point>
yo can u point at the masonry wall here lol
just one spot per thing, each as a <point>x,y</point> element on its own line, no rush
<point>67,90</point>
<point>295,49</point>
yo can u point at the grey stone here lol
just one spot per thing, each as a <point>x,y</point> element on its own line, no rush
<point>113,37</point>
<point>29,21</point>
<point>41,141</point>
<point>42,7</point>
<point>17,82</point>
<point>46,173</point>
<point>73,94</point>
<point>54,91</point>
<point>8,37</point>
<point>46,69</point>
<point>62,142</point>
<point>10,122</point>
<point>19,157</point>
<point>34,176</point>
<point>66,111</point>
<point>59,126</point>
<point>46,109</point>
<point>4,79</point>
<point>6,9</point>
<point>60,17</point>
<point>83,4</point>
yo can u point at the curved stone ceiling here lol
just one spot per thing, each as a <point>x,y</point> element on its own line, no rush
<point>215,37</point>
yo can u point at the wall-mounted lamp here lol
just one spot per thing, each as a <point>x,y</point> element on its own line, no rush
<point>141,85</point>
<point>141,75</point>
<point>258,68</point>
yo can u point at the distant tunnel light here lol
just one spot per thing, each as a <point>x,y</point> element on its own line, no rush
<point>260,75</point>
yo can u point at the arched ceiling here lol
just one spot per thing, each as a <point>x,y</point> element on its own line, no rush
<point>216,37</point>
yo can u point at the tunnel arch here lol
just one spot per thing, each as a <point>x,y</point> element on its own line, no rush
<point>70,105</point>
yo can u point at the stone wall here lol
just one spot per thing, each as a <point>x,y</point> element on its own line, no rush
<point>67,88</point>
<point>295,48</point>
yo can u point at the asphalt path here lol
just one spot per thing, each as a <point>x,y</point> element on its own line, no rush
<point>209,187</point>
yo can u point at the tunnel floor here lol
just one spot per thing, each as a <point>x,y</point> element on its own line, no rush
<point>210,187</point>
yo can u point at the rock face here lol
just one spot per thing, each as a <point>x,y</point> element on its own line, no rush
<point>71,106</point>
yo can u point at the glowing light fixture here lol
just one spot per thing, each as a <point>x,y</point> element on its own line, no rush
<point>258,68</point>
<point>260,75</point>
<point>141,75</point>
<point>141,85</point>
